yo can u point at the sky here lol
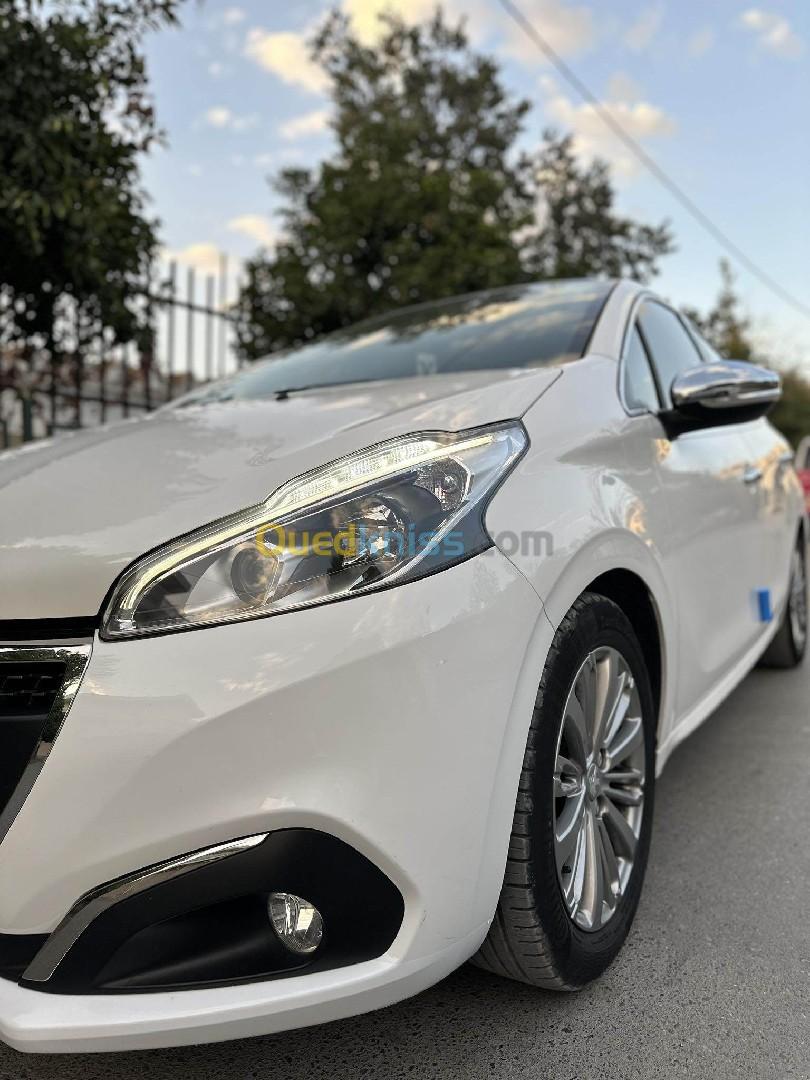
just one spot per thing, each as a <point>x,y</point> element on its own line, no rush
<point>718,93</point>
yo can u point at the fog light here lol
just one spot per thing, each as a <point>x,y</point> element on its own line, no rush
<point>298,923</point>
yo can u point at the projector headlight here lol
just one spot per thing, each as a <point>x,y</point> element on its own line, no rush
<point>394,512</point>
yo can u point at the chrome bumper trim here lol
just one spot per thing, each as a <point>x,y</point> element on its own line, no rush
<point>99,900</point>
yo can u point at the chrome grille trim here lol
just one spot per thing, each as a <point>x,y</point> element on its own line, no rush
<point>75,655</point>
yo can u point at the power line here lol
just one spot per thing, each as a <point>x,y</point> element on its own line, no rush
<point>722,238</point>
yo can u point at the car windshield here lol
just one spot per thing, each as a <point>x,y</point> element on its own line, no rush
<point>523,326</point>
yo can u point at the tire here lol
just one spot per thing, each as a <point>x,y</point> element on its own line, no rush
<point>535,936</point>
<point>789,645</point>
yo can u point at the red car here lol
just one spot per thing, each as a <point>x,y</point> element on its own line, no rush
<point>803,468</point>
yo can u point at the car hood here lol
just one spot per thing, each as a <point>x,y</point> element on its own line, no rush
<point>76,510</point>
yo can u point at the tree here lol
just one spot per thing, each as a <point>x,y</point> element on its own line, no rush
<point>427,194</point>
<point>726,326</point>
<point>792,414</point>
<point>421,199</point>
<point>580,234</point>
<point>75,115</point>
<point>729,329</point>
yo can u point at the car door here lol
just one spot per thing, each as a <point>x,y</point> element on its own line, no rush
<point>778,499</point>
<point>710,541</point>
<point>777,494</point>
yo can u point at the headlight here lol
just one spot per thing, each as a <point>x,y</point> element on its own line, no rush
<point>394,512</point>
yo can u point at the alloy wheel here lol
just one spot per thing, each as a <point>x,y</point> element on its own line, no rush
<point>797,601</point>
<point>599,777</point>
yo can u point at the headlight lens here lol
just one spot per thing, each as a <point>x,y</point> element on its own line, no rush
<point>391,513</point>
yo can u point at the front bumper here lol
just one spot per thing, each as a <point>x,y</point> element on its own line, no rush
<point>395,722</point>
<point>45,1023</point>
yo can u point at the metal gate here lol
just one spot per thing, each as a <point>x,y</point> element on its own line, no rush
<point>192,341</point>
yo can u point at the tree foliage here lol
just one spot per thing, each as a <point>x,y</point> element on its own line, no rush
<point>75,114</point>
<point>792,414</point>
<point>726,325</point>
<point>427,194</point>
<point>420,199</point>
<point>580,233</point>
<point>729,329</point>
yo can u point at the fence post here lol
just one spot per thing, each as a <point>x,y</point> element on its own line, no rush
<point>170,330</point>
<point>223,321</point>
<point>191,305</point>
<point>209,326</point>
<point>27,417</point>
<point>65,379</point>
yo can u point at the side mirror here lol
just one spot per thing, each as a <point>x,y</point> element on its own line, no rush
<point>722,392</point>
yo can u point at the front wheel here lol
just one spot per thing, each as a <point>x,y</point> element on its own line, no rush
<point>582,824</point>
<point>789,645</point>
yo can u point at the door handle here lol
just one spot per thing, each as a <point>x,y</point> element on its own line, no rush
<point>752,474</point>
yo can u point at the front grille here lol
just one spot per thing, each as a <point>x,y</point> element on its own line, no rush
<point>28,691</point>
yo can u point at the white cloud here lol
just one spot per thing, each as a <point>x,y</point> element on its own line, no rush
<point>255,227</point>
<point>286,54</point>
<point>311,123</point>
<point>644,29</point>
<point>232,16</point>
<point>215,69</point>
<point>593,138</point>
<point>773,32</point>
<point>622,88</point>
<point>202,257</point>
<point>220,116</point>
<point>567,29</point>
<point>365,14</point>
<point>700,42</point>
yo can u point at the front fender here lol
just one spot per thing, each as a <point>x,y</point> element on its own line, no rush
<point>585,500</point>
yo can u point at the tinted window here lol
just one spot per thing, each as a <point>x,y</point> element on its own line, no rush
<point>518,327</point>
<point>671,348</point>
<point>639,384</point>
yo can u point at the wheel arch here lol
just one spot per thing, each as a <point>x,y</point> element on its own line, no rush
<point>620,565</point>
<point>629,592</point>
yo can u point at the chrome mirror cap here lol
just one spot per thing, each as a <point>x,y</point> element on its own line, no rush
<point>726,384</point>
<point>719,393</point>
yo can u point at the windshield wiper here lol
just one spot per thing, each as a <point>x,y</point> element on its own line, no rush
<point>282,395</point>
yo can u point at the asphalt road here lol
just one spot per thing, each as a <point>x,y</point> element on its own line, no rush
<point>714,980</point>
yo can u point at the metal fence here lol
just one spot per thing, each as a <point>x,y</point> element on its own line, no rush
<point>193,341</point>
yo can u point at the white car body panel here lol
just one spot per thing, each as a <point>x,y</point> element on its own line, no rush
<point>178,742</point>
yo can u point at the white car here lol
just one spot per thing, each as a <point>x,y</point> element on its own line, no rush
<point>363,663</point>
